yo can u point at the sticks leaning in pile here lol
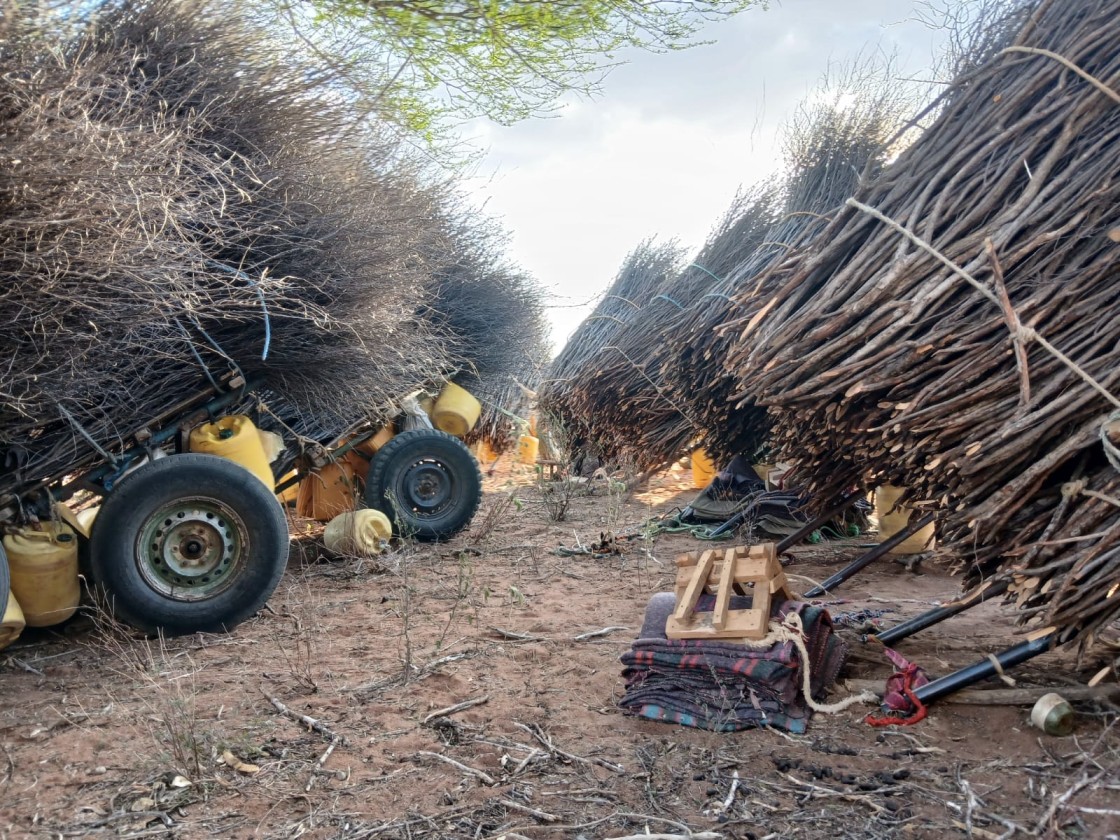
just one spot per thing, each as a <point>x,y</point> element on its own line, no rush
<point>576,392</point>
<point>904,373</point>
<point>494,315</point>
<point>625,398</point>
<point>655,381</point>
<point>827,151</point>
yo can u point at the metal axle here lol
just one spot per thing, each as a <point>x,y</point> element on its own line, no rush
<point>985,668</point>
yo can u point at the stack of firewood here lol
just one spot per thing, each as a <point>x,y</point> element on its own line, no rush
<point>874,359</point>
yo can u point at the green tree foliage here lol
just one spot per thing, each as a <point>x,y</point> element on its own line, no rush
<point>426,62</point>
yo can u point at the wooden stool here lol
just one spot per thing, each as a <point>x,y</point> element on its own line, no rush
<point>551,469</point>
<point>745,570</point>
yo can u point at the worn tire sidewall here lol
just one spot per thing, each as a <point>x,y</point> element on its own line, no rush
<point>449,450</point>
<point>5,581</point>
<point>139,495</point>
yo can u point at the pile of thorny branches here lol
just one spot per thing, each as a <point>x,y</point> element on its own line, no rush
<point>181,206</point>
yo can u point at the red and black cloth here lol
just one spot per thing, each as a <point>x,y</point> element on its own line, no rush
<point>725,686</point>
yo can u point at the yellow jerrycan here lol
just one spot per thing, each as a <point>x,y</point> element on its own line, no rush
<point>11,623</point>
<point>358,532</point>
<point>456,411</point>
<point>891,519</point>
<point>703,468</point>
<point>44,566</point>
<point>528,448</point>
<point>236,438</point>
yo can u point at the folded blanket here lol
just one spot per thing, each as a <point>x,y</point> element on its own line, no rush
<point>727,686</point>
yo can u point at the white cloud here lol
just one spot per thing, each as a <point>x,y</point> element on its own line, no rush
<point>663,151</point>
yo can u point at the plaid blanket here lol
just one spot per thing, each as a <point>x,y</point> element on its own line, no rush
<point>725,686</point>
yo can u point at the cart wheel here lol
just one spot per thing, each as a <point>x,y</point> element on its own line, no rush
<point>5,582</point>
<point>426,482</point>
<point>189,543</point>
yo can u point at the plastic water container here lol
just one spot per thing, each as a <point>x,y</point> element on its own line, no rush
<point>358,532</point>
<point>44,567</point>
<point>87,517</point>
<point>326,493</point>
<point>456,411</point>
<point>528,447</point>
<point>890,519</point>
<point>236,438</point>
<point>703,468</point>
<point>11,623</point>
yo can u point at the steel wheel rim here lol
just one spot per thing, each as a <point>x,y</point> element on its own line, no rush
<point>191,549</point>
<point>427,487</point>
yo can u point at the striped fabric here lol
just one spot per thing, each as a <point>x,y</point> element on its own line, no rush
<point>724,686</point>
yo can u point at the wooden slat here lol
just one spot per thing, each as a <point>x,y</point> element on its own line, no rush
<point>723,594</point>
<point>685,560</point>
<point>741,624</point>
<point>695,586</point>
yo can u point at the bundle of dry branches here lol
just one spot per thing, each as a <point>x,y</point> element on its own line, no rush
<point>493,317</point>
<point>179,203</point>
<point>576,391</point>
<point>828,149</point>
<point>618,395</point>
<point>879,363</point>
<point>655,381</point>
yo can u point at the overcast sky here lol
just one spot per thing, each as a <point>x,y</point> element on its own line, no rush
<point>664,149</point>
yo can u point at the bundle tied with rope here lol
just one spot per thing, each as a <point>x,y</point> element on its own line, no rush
<point>491,315</point>
<point>952,331</point>
<point>578,392</point>
<point>731,684</point>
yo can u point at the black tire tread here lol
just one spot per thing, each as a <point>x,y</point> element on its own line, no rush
<point>137,495</point>
<point>385,460</point>
<point>5,581</point>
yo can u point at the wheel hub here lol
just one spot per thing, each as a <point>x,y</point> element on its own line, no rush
<point>428,486</point>
<point>188,549</point>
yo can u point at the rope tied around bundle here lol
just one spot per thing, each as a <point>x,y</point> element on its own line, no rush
<point>790,629</point>
<point>1020,333</point>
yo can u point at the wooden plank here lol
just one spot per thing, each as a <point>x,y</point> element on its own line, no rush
<point>723,594</point>
<point>689,559</point>
<point>695,586</point>
<point>750,569</point>
<point>741,624</point>
<point>741,575</point>
<point>779,585</point>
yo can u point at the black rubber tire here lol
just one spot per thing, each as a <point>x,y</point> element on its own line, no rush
<point>131,584</point>
<point>5,581</point>
<point>410,464</point>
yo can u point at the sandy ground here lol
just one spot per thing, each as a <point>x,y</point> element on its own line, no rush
<point>106,733</point>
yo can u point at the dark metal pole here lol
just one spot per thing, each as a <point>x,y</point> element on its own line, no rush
<point>808,528</point>
<point>905,629</point>
<point>870,557</point>
<point>985,668</point>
